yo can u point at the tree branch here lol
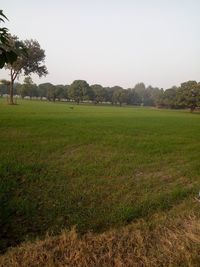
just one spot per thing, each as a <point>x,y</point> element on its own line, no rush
<point>15,75</point>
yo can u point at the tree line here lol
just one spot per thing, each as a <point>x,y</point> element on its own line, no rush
<point>187,95</point>
<point>26,57</point>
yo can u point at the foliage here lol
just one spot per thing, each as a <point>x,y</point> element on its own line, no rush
<point>7,54</point>
<point>119,95</point>
<point>99,93</point>
<point>185,96</point>
<point>78,90</point>
<point>30,60</point>
<point>43,89</point>
<point>170,97</point>
<point>61,92</point>
<point>188,95</point>
<point>28,88</point>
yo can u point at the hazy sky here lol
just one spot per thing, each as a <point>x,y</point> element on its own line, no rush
<point>112,42</point>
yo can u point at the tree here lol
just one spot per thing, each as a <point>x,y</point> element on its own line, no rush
<point>140,90</point>
<point>132,97</point>
<point>28,88</point>
<point>119,95</point>
<point>4,84</point>
<point>66,92</point>
<point>22,90</point>
<point>88,94</point>
<point>99,93</point>
<point>159,98</point>
<point>51,92</point>
<point>169,97</point>
<point>42,89</point>
<point>60,91</point>
<point>188,95</point>
<point>7,54</point>
<point>33,92</point>
<point>78,90</point>
<point>30,60</point>
<point>151,96</point>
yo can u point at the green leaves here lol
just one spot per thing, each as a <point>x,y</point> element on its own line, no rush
<point>188,95</point>
<point>78,90</point>
<point>7,55</point>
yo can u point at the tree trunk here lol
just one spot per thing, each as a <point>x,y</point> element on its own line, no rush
<point>11,102</point>
<point>13,75</point>
<point>192,109</point>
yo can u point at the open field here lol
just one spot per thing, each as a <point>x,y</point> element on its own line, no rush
<point>94,167</point>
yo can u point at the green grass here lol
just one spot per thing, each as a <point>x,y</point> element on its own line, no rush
<point>92,166</point>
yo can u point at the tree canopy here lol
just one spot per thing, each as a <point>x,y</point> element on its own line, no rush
<point>188,95</point>
<point>7,54</point>
<point>78,90</point>
<point>30,60</point>
<point>185,96</point>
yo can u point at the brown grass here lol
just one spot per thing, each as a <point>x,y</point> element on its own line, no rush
<point>172,243</point>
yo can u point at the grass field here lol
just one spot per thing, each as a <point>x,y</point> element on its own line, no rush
<point>95,167</point>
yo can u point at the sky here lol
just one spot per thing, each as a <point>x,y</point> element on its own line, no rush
<point>111,42</point>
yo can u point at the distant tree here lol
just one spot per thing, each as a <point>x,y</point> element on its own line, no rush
<point>109,94</point>
<point>78,90</point>
<point>156,93</point>
<point>147,99</point>
<point>3,89</point>
<point>151,96</point>
<point>99,93</point>
<point>28,88</point>
<point>88,95</point>
<point>119,95</point>
<point>22,90</point>
<point>4,84</point>
<point>66,92</point>
<point>42,89</point>
<point>169,97</point>
<point>18,89</point>
<point>140,89</point>
<point>7,54</point>
<point>30,60</point>
<point>34,91</point>
<point>159,98</point>
<point>132,97</point>
<point>188,95</point>
<point>60,91</point>
<point>51,92</point>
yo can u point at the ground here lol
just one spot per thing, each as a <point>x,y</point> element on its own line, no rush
<point>93,167</point>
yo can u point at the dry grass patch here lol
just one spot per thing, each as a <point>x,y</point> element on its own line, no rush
<point>139,244</point>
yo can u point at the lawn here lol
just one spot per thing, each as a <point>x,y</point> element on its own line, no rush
<point>95,167</point>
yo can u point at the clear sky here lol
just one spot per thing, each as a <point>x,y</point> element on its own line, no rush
<point>112,42</point>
